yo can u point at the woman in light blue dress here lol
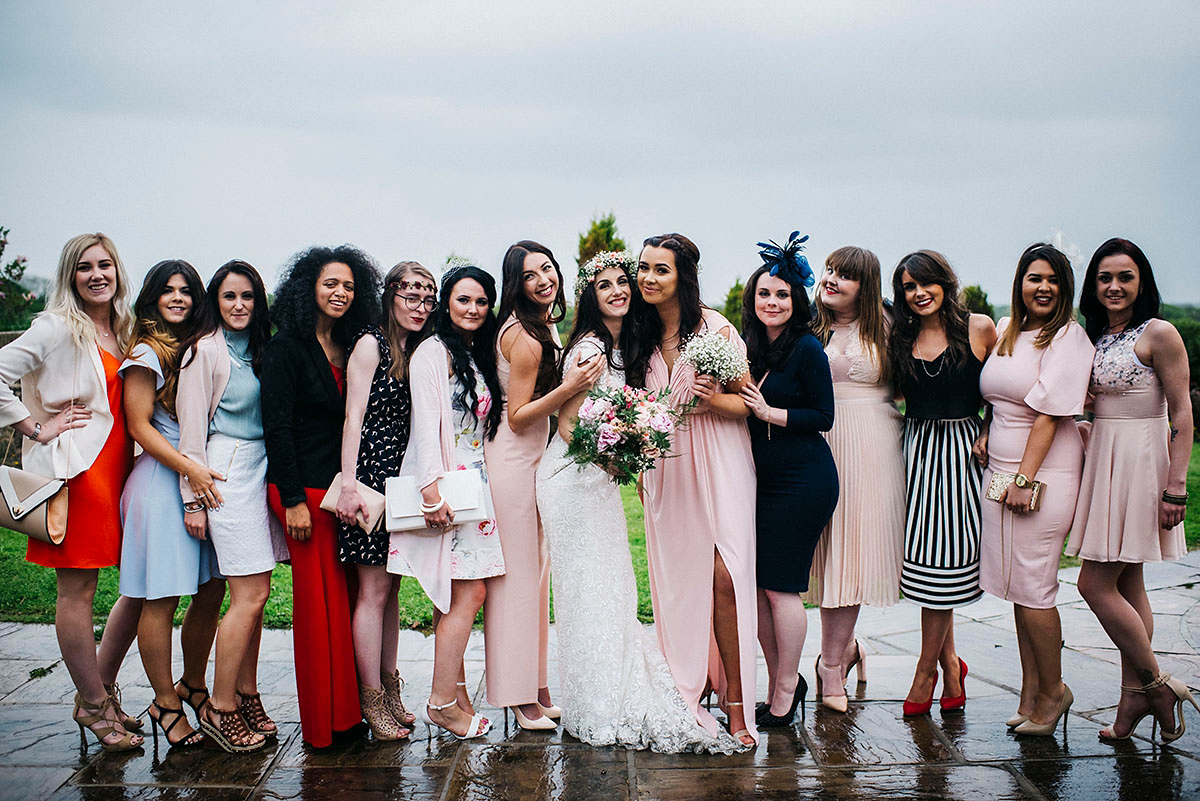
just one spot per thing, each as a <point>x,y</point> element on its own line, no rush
<point>159,561</point>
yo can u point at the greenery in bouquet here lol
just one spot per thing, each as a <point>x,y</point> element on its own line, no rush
<point>623,431</point>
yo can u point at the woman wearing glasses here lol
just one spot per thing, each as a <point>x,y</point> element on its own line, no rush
<point>374,439</point>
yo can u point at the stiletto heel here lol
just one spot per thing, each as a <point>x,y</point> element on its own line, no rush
<point>956,703</point>
<point>1109,733</point>
<point>914,709</point>
<point>95,720</point>
<point>859,661</point>
<point>191,740</point>
<point>838,703</point>
<point>1181,693</point>
<point>542,723</point>
<point>1047,729</point>
<point>478,726</point>
<point>765,720</point>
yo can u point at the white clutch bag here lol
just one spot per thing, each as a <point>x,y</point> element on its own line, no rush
<point>462,489</point>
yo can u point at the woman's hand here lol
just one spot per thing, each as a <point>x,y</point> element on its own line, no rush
<point>444,516</point>
<point>351,506</point>
<point>703,387</point>
<point>752,396</point>
<point>980,448</point>
<point>1017,499</point>
<point>1170,514</point>
<point>196,524</point>
<point>583,374</point>
<point>76,415</point>
<point>202,479</point>
<point>298,522</point>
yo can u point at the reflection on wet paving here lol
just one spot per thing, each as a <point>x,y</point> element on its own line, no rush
<point>870,752</point>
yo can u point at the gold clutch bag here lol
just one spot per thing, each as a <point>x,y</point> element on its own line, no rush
<point>1000,482</point>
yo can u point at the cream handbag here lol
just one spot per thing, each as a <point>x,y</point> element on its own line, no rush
<point>33,505</point>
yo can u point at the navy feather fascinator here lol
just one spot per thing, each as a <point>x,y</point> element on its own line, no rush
<point>788,262</point>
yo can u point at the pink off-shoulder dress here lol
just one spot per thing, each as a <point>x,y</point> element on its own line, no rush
<point>1020,552</point>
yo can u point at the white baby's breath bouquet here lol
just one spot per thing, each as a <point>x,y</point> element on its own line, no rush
<point>712,354</point>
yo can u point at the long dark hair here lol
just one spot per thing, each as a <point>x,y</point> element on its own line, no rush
<point>589,321</point>
<point>514,301</point>
<point>927,267</point>
<point>210,318</point>
<point>482,348</point>
<point>762,353</point>
<point>162,337</point>
<point>295,307</point>
<point>1064,314</point>
<point>1145,306</point>
<point>687,293</point>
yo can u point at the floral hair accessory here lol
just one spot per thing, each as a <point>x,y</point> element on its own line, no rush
<point>788,262</point>
<point>601,262</point>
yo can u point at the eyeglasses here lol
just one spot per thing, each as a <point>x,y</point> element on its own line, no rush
<point>417,302</point>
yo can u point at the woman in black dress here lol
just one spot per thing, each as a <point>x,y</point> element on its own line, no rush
<point>791,400</point>
<point>374,438</point>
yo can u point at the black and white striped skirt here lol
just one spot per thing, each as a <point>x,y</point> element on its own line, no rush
<point>941,531</point>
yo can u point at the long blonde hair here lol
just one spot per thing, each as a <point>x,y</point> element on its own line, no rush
<point>66,303</point>
<point>859,264</point>
<point>392,331</point>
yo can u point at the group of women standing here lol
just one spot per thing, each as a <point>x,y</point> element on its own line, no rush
<point>795,481</point>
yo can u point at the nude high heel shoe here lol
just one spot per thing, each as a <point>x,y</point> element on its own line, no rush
<point>838,703</point>
<point>1182,693</point>
<point>1047,729</point>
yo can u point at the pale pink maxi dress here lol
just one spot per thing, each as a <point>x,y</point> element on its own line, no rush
<point>698,499</point>
<point>516,614</point>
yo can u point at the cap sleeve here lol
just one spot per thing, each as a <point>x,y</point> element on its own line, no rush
<point>144,356</point>
<point>1066,369</point>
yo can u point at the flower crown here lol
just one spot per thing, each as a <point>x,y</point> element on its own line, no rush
<point>601,262</point>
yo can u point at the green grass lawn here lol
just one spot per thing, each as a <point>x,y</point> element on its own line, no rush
<point>27,591</point>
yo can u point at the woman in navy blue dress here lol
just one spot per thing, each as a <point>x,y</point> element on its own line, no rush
<point>791,400</point>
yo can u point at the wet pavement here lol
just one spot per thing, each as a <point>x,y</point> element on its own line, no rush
<point>871,752</point>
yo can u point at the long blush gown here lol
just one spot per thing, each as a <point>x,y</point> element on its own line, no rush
<point>699,501</point>
<point>516,614</point>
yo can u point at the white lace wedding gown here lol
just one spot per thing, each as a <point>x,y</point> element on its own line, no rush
<point>615,688</point>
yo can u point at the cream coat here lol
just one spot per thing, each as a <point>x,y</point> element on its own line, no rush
<point>54,371</point>
<point>201,384</point>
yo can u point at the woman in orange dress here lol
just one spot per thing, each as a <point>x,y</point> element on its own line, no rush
<point>71,418</point>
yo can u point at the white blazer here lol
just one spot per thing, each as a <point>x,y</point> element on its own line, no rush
<point>54,371</point>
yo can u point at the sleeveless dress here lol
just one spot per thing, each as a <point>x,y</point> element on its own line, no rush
<point>1125,472</point>
<point>1020,552</point>
<point>698,499</point>
<point>516,614</point>
<point>797,479</point>
<point>615,687</point>
<point>942,515</point>
<point>857,560</point>
<point>93,536</point>
<point>159,559</point>
<point>380,451</point>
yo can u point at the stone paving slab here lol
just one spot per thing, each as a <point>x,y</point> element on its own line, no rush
<point>870,752</point>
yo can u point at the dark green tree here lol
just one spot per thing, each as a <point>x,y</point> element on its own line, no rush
<point>976,300</point>
<point>733,304</point>
<point>600,236</point>
<point>17,304</point>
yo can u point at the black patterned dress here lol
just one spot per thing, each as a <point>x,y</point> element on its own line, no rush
<point>384,439</point>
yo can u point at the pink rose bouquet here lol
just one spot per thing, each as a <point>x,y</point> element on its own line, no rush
<point>623,431</point>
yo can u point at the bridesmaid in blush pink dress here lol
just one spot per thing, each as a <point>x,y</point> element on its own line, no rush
<point>516,615</point>
<point>700,529</point>
<point>1036,381</point>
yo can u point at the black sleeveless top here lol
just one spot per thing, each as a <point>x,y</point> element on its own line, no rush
<point>941,389</point>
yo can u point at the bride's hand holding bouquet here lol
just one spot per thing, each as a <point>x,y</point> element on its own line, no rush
<point>623,431</point>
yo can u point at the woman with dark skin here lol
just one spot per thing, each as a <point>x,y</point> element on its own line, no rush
<point>325,297</point>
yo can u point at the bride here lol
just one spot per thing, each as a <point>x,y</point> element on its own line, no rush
<point>616,687</point>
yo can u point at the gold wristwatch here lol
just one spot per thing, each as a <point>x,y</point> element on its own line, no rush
<point>1022,481</point>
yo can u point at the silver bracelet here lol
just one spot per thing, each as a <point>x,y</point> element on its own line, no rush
<point>37,432</point>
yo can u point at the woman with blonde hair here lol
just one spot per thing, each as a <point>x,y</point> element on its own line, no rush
<point>857,560</point>
<point>73,423</point>
<point>374,439</point>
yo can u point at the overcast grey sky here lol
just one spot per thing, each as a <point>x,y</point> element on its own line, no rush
<point>214,130</point>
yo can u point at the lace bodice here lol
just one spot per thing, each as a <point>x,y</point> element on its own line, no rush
<point>847,360</point>
<point>1116,367</point>
<point>613,378</point>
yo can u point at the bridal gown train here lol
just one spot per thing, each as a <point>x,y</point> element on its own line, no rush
<point>616,687</point>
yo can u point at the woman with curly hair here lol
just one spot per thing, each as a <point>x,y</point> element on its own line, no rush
<point>159,561</point>
<point>374,439</point>
<point>454,387</point>
<point>516,618</point>
<point>325,297</point>
<point>71,416</point>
